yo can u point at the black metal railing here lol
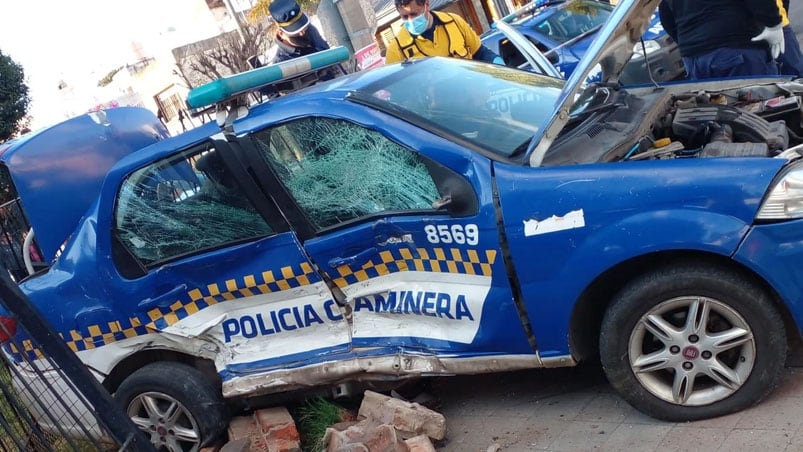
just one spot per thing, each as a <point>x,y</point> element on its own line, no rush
<point>50,401</point>
<point>13,229</point>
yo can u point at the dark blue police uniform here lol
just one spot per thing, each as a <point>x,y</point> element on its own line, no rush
<point>715,36</point>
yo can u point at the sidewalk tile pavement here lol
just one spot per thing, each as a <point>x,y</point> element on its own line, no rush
<point>575,409</point>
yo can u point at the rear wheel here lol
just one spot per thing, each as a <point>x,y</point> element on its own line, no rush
<point>178,409</point>
<point>692,342</point>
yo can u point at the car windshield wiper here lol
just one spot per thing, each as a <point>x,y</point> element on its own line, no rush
<point>594,109</point>
<point>520,149</point>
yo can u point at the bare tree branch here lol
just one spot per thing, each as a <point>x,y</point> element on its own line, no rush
<point>223,55</point>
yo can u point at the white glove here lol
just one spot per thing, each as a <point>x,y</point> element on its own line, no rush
<point>774,38</point>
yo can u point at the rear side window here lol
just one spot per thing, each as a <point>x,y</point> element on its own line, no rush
<point>182,205</point>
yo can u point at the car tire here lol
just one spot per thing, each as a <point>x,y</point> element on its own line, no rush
<point>199,413</point>
<point>675,370</point>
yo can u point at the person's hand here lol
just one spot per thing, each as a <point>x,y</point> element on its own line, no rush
<point>774,38</point>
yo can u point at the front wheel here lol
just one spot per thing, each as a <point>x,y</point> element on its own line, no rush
<point>692,342</point>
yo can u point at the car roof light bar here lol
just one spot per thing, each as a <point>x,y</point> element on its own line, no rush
<point>229,87</point>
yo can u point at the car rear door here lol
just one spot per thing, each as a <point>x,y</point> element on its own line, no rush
<point>211,266</point>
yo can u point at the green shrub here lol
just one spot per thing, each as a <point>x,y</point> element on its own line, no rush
<point>313,417</point>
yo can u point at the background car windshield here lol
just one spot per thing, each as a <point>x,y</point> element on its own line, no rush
<point>573,20</point>
<point>492,106</point>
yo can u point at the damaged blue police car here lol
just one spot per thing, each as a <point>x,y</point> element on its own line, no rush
<point>437,217</point>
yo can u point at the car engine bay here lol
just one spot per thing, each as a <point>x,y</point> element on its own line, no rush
<point>610,124</point>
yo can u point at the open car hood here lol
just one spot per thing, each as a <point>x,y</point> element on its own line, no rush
<point>613,44</point>
<point>610,51</point>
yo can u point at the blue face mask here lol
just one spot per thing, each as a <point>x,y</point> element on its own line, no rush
<point>418,25</point>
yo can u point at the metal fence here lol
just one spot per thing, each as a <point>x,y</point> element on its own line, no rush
<point>49,401</point>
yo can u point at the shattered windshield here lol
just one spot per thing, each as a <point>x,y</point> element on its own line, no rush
<point>492,106</point>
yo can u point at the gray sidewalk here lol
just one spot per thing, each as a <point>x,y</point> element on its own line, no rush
<point>575,409</point>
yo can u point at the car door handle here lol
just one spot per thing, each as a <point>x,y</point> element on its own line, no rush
<point>358,258</point>
<point>163,300</point>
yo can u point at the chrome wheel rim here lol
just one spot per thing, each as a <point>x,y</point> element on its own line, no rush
<point>692,351</point>
<point>166,421</point>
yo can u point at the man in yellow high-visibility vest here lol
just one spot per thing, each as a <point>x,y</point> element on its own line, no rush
<point>433,33</point>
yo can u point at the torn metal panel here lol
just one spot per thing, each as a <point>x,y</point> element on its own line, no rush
<point>440,306</point>
<point>261,330</point>
<point>401,366</point>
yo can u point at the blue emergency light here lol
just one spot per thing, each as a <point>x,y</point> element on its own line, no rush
<point>232,85</point>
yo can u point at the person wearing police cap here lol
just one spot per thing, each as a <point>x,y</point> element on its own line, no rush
<point>296,36</point>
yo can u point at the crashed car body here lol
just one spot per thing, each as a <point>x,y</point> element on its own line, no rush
<point>441,217</point>
<point>563,31</point>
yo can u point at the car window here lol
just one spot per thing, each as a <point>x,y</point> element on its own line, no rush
<point>338,171</point>
<point>514,58</point>
<point>572,21</point>
<point>181,205</point>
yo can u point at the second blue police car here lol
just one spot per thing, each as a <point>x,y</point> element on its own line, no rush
<point>564,29</point>
<point>436,217</point>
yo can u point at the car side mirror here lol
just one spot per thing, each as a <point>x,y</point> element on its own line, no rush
<point>552,57</point>
<point>457,196</point>
<point>441,203</point>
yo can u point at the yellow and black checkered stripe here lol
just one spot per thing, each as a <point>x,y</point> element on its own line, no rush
<point>194,300</point>
<point>437,260</point>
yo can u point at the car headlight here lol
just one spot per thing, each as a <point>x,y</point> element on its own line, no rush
<point>785,201</point>
<point>650,46</point>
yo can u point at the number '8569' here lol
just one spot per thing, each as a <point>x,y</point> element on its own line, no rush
<point>456,233</point>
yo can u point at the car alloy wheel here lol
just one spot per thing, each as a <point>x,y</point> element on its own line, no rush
<point>692,340</point>
<point>177,407</point>
<point>692,351</point>
<point>166,421</point>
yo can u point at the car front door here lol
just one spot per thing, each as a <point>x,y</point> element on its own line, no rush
<point>410,245</point>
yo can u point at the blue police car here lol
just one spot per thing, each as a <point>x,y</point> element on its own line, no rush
<point>433,217</point>
<point>564,29</point>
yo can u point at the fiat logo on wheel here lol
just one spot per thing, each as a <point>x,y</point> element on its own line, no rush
<point>691,352</point>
